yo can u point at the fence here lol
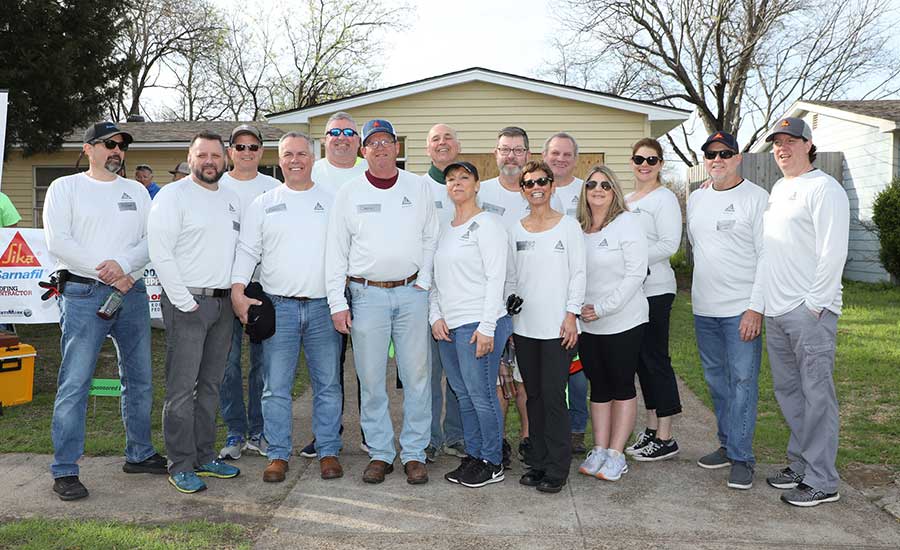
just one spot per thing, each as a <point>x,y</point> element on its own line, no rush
<point>761,169</point>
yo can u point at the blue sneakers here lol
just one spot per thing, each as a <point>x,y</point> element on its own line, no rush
<point>218,469</point>
<point>187,482</point>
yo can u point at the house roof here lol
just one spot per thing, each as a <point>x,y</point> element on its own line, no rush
<point>887,109</point>
<point>669,116</point>
<point>160,135</point>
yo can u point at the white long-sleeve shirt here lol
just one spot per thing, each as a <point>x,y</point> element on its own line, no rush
<point>332,178</point>
<point>616,268</point>
<point>88,221</point>
<point>192,234</point>
<point>726,231</point>
<point>470,273</point>
<point>660,216</point>
<point>511,206</point>
<point>549,276</point>
<point>569,196</point>
<point>380,235</point>
<point>248,190</point>
<point>443,206</point>
<point>285,231</point>
<point>807,231</point>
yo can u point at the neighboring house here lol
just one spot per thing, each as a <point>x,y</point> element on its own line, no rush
<point>478,102</point>
<point>868,135</point>
<point>162,145</point>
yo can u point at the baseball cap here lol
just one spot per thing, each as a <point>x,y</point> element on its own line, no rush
<point>791,126</point>
<point>246,129</point>
<point>724,138</point>
<point>377,125</point>
<point>467,166</point>
<point>181,168</point>
<point>105,130</point>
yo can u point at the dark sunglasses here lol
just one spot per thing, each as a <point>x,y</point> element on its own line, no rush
<point>591,184</point>
<point>112,144</point>
<point>347,132</point>
<point>240,147</point>
<point>540,182</point>
<point>725,154</point>
<point>639,160</point>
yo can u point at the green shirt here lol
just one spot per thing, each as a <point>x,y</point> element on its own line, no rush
<point>8,213</point>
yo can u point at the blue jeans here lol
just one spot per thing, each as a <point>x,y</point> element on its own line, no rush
<point>231,393</point>
<point>379,316</point>
<point>475,382</point>
<point>307,324</point>
<point>731,369</point>
<point>451,432</point>
<point>578,412</point>
<point>83,334</point>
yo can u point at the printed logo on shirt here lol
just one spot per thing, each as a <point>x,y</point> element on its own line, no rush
<point>439,205</point>
<point>793,196</point>
<point>493,208</point>
<point>524,245</point>
<point>231,208</point>
<point>277,208</point>
<point>125,196</point>
<point>318,207</point>
<point>235,225</point>
<point>637,210</point>
<point>127,206</point>
<point>559,247</point>
<point>473,226</point>
<point>575,200</point>
<point>603,244</point>
<point>405,202</point>
<point>725,225</point>
<point>464,236</point>
<point>730,208</point>
<point>368,208</point>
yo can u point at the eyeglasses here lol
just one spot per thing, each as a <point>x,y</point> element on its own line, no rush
<point>346,132</point>
<point>517,151</point>
<point>724,154</point>
<point>240,147</point>
<point>376,144</point>
<point>540,182</point>
<point>639,160</point>
<point>112,144</point>
<point>591,184</point>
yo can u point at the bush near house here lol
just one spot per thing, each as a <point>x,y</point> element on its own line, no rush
<point>886,217</point>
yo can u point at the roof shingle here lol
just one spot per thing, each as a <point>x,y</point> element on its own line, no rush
<point>165,132</point>
<point>887,109</point>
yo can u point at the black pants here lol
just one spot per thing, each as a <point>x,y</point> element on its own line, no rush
<point>658,385</point>
<point>545,372</point>
<point>610,361</point>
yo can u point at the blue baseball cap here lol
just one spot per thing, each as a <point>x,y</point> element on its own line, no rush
<point>724,138</point>
<point>375,126</point>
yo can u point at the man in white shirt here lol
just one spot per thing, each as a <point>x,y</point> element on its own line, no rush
<point>442,146</point>
<point>193,230</point>
<point>807,227</point>
<point>96,226</point>
<point>382,235</point>
<point>725,227</point>
<point>284,231</point>
<point>245,425</point>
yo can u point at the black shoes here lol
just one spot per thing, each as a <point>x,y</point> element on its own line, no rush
<point>156,464</point>
<point>532,478</point>
<point>69,488</point>
<point>481,473</point>
<point>551,485</point>
<point>464,464</point>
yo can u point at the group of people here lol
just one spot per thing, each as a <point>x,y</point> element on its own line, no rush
<point>459,275</point>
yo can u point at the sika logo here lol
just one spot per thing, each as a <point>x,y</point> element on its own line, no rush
<point>18,254</point>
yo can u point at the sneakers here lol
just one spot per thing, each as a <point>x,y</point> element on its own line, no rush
<point>234,444</point>
<point>258,443</point>
<point>458,449</point>
<point>464,464</point>
<point>69,488</point>
<point>643,439</point>
<point>309,451</point>
<point>741,476</point>
<point>806,496</point>
<point>481,473</point>
<point>507,453</point>
<point>593,462</point>
<point>187,482</point>
<point>524,449</point>
<point>714,460</point>
<point>657,449</point>
<point>578,448</point>
<point>218,469</point>
<point>785,479</point>
<point>614,466</point>
<point>156,464</point>
<point>430,453</point>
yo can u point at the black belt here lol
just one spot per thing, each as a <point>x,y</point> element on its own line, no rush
<point>210,292</point>
<point>298,298</point>
<point>72,278</point>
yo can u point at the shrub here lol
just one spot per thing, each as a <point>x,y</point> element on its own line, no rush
<point>886,217</point>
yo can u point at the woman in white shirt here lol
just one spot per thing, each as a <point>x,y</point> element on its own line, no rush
<point>660,214</point>
<point>469,321</point>
<point>548,254</point>
<point>613,317</point>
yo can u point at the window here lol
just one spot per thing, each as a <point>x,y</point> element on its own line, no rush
<point>43,177</point>
<point>401,156</point>
<point>272,170</point>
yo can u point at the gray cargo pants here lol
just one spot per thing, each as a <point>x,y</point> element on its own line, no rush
<point>801,353</point>
<point>197,346</point>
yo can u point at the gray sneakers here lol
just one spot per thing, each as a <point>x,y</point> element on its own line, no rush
<point>785,479</point>
<point>741,476</point>
<point>805,496</point>
<point>714,460</point>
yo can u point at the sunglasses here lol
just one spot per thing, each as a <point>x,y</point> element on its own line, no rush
<point>724,155</point>
<point>591,184</point>
<point>540,182</point>
<point>639,160</point>
<point>346,132</point>
<point>112,144</point>
<point>241,147</point>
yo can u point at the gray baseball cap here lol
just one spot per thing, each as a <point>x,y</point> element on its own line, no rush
<point>791,126</point>
<point>181,168</point>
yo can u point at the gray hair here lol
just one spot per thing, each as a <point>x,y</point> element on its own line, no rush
<point>561,135</point>
<point>340,115</point>
<point>298,134</point>
<point>514,131</point>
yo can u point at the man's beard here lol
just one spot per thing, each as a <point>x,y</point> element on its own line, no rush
<point>511,170</point>
<point>113,165</point>
<point>198,173</point>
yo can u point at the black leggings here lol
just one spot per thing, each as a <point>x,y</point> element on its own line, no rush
<point>610,361</point>
<point>658,385</point>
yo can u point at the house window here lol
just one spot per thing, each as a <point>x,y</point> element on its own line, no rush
<point>272,170</point>
<point>43,177</point>
<point>401,156</point>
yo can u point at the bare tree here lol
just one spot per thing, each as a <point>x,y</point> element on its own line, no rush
<point>736,62</point>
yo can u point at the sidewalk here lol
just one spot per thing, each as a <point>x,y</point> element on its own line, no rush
<point>672,504</point>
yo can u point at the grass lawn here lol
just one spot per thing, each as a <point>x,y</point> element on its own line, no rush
<point>26,428</point>
<point>43,534</point>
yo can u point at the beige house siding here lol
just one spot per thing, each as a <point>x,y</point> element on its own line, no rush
<point>478,109</point>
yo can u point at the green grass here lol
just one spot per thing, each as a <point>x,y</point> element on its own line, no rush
<point>867,377</point>
<point>26,428</point>
<point>59,534</point>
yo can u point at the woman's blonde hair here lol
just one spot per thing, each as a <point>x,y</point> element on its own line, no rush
<point>616,207</point>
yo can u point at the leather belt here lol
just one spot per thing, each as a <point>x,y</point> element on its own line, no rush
<point>384,284</point>
<point>209,292</point>
<point>298,298</point>
<point>72,278</point>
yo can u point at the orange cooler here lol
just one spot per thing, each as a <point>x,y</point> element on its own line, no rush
<point>16,374</point>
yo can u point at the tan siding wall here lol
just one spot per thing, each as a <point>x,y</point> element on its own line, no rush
<point>477,110</point>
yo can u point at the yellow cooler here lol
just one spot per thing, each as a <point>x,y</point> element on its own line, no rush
<point>16,374</point>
